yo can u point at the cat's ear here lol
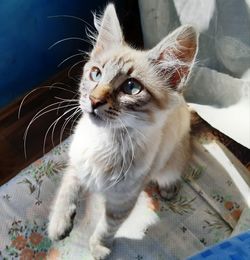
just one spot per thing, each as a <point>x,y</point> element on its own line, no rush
<point>174,56</point>
<point>109,30</point>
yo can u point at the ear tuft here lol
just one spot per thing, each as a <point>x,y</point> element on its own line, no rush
<point>174,56</point>
<point>109,30</point>
<point>186,42</point>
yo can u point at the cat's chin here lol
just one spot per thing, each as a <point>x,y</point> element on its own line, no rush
<point>96,119</point>
<point>103,122</point>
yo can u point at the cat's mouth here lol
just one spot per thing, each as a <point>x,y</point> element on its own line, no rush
<point>95,117</point>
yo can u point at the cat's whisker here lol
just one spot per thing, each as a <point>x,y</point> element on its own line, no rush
<point>52,136</point>
<point>63,84</point>
<point>132,146</point>
<point>67,120</point>
<point>144,137</point>
<point>122,173</point>
<point>113,133</point>
<point>36,89</point>
<point>108,180</point>
<point>68,39</point>
<point>67,100</point>
<point>79,112</point>
<point>54,125</point>
<point>137,117</point>
<point>132,115</point>
<point>123,161</point>
<point>69,58</point>
<point>113,139</point>
<point>71,68</point>
<point>51,105</point>
<point>109,157</point>
<point>37,115</point>
<point>73,17</point>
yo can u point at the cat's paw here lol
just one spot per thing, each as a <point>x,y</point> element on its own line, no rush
<point>169,192</point>
<point>98,250</point>
<point>60,225</point>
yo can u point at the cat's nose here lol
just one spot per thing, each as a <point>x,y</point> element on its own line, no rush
<point>96,102</point>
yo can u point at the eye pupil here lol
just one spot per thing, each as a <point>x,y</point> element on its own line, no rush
<point>132,87</point>
<point>130,84</point>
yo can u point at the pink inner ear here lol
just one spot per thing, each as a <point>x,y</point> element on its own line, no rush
<point>185,53</point>
<point>178,75</point>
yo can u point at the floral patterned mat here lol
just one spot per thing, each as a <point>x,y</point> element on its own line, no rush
<point>209,208</point>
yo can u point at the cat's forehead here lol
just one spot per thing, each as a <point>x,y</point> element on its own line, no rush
<point>120,62</point>
<point>119,57</point>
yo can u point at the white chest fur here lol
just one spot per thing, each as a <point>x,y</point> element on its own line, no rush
<point>102,157</point>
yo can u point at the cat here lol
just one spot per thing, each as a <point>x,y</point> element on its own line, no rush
<point>134,129</point>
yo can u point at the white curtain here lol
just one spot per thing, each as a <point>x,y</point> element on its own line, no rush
<point>219,89</point>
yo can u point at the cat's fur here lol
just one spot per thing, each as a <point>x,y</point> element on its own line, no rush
<point>139,137</point>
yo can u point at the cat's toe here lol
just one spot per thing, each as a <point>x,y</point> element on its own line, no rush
<point>60,227</point>
<point>98,251</point>
<point>170,192</point>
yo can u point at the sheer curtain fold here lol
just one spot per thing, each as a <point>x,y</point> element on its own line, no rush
<point>219,89</point>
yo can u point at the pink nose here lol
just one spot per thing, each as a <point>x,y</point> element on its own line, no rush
<point>95,102</point>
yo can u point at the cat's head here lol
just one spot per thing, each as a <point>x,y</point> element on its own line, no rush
<point>124,86</point>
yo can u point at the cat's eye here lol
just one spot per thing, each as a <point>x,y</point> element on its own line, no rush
<point>131,87</point>
<point>95,74</point>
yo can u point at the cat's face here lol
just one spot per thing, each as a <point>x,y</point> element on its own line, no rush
<point>118,88</point>
<point>122,86</point>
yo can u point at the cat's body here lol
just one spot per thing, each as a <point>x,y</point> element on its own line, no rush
<point>102,153</point>
<point>135,128</point>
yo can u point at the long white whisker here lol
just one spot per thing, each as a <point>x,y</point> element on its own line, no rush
<point>51,105</point>
<point>132,115</point>
<point>111,155</point>
<point>132,147</point>
<point>32,91</point>
<point>68,39</point>
<point>54,123</point>
<point>79,112</point>
<point>123,161</point>
<point>63,84</point>
<point>38,115</point>
<point>113,142</point>
<point>71,16</point>
<point>69,71</point>
<point>52,136</point>
<point>140,133</point>
<point>67,100</point>
<point>70,57</point>
<point>67,120</point>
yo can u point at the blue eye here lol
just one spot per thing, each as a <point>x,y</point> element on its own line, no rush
<point>95,74</point>
<point>131,87</point>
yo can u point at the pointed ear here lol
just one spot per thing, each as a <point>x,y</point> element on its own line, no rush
<point>109,30</point>
<point>174,56</point>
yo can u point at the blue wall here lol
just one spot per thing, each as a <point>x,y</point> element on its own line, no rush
<point>26,32</point>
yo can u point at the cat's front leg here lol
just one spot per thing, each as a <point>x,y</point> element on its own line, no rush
<point>115,214</point>
<point>64,208</point>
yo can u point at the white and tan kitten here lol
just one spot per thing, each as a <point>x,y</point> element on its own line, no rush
<point>134,129</point>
